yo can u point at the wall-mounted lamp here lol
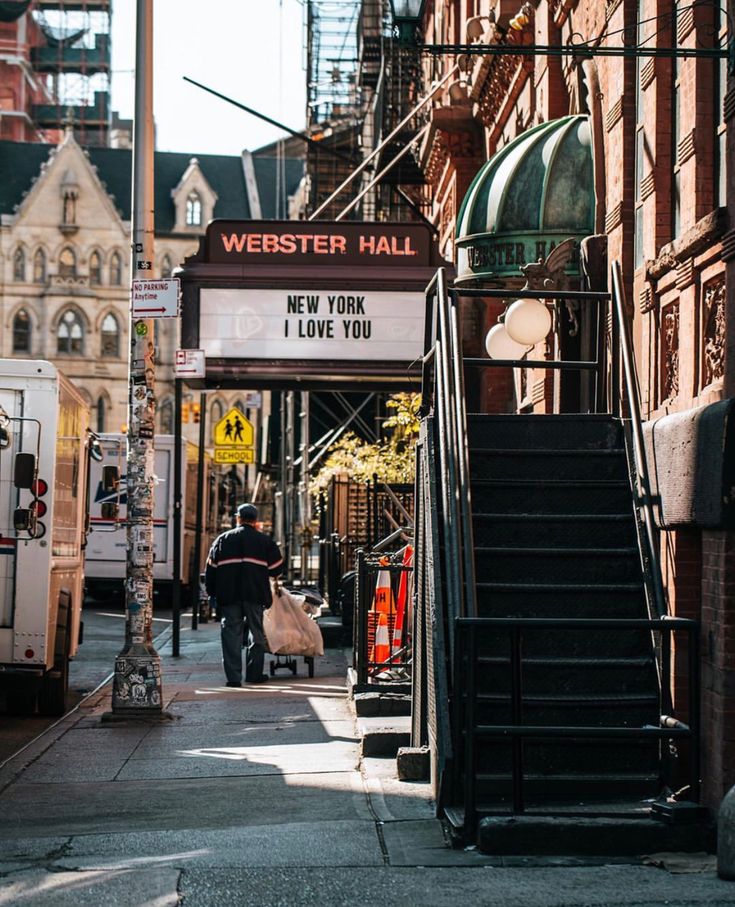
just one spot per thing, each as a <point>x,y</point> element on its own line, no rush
<point>500,345</point>
<point>527,321</point>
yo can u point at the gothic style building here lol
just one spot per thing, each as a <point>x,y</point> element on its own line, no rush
<point>65,248</point>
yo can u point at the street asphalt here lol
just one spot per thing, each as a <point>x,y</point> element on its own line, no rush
<point>259,796</point>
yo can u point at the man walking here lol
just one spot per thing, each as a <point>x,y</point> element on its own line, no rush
<point>239,566</point>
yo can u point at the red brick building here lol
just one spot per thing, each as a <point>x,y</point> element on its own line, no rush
<point>660,135</point>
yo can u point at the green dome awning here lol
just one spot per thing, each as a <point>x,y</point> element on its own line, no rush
<point>536,192</point>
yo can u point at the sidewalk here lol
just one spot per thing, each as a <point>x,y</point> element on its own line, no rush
<point>258,796</point>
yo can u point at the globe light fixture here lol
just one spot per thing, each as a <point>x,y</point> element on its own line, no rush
<point>500,345</point>
<point>527,321</point>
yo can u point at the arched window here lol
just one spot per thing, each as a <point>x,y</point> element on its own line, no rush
<point>166,266</point>
<point>101,414</point>
<point>22,332</point>
<point>115,270</point>
<point>193,210</point>
<point>67,263</point>
<point>70,334</point>
<point>110,336</point>
<point>166,416</point>
<point>95,269</point>
<point>240,405</point>
<point>19,264</point>
<point>39,267</point>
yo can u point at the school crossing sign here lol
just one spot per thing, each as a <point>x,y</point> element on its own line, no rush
<point>234,439</point>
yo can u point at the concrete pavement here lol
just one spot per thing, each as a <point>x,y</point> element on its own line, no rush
<point>259,796</point>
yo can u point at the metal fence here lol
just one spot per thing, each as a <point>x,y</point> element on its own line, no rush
<point>382,653</point>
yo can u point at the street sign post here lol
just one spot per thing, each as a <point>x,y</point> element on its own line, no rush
<point>156,298</point>
<point>234,439</point>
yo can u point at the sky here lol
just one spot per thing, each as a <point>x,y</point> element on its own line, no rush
<point>249,50</point>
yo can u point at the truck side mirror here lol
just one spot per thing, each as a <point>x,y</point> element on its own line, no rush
<point>109,510</point>
<point>24,470</point>
<point>95,451</point>
<point>110,478</point>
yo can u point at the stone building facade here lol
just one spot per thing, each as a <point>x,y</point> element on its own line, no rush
<point>64,258</point>
<point>662,136</point>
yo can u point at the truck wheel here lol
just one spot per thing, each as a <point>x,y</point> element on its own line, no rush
<point>55,685</point>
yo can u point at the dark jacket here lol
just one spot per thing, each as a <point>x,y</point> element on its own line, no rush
<point>239,564</point>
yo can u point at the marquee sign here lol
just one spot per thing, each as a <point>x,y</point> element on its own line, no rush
<point>317,243</point>
<point>306,324</point>
<point>278,304</point>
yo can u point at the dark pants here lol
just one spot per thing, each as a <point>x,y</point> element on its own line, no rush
<point>239,618</point>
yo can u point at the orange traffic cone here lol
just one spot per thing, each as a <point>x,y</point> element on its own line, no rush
<point>381,649</point>
<point>383,601</point>
<point>397,643</point>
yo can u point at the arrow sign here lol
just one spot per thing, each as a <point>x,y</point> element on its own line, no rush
<point>191,363</point>
<point>156,298</point>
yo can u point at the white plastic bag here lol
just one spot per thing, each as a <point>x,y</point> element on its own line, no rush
<point>288,629</point>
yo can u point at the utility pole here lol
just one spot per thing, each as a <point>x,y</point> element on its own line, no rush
<point>137,686</point>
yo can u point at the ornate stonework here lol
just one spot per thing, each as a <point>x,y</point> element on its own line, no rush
<point>670,352</point>
<point>713,330</point>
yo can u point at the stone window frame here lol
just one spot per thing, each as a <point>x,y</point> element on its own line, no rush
<point>110,339</point>
<point>166,416</point>
<point>19,264</point>
<point>95,273</point>
<point>27,331</point>
<point>76,320</point>
<point>102,411</point>
<point>116,269</point>
<point>194,209</point>
<point>40,274</point>
<point>67,269</point>
<point>166,265</point>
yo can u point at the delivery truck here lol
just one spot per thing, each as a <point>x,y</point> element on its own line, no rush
<point>105,560</point>
<point>45,449</point>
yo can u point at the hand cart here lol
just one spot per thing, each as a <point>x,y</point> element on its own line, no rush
<point>289,663</point>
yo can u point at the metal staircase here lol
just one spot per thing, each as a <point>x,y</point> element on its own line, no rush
<point>541,605</point>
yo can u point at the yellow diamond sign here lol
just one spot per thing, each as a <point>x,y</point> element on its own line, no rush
<point>234,439</point>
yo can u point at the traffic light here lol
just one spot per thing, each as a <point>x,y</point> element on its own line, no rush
<point>196,411</point>
<point>185,413</point>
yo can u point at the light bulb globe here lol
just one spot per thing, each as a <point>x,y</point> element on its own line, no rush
<point>528,321</point>
<point>500,345</point>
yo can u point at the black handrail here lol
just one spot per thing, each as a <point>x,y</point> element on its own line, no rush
<point>643,482</point>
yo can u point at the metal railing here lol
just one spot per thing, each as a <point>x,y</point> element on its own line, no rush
<point>516,732</point>
<point>443,394</point>
<point>368,669</point>
<point>443,397</point>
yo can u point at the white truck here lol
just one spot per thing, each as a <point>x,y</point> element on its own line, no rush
<point>106,549</point>
<point>45,444</point>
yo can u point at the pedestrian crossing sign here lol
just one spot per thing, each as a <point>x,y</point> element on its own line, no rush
<point>234,438</point>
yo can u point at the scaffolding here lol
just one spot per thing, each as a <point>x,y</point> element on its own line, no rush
<point>333,111</point>
<point>73,59</point>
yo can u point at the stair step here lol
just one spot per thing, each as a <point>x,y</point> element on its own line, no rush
<point>557,565</point>
<point>586,778</point>
<point>590,834</point>
<point>585,699</point>
<point>573,756</point>
<point>557,643</point>
<point>556,496</point>
<point>569,431</point>
<point>519,463</point>
<point>567,588</point>
<point>554,530</point>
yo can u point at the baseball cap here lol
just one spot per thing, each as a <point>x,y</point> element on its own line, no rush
<point>248,512</point>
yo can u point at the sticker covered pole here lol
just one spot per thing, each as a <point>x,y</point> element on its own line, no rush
<point>137,681</point>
